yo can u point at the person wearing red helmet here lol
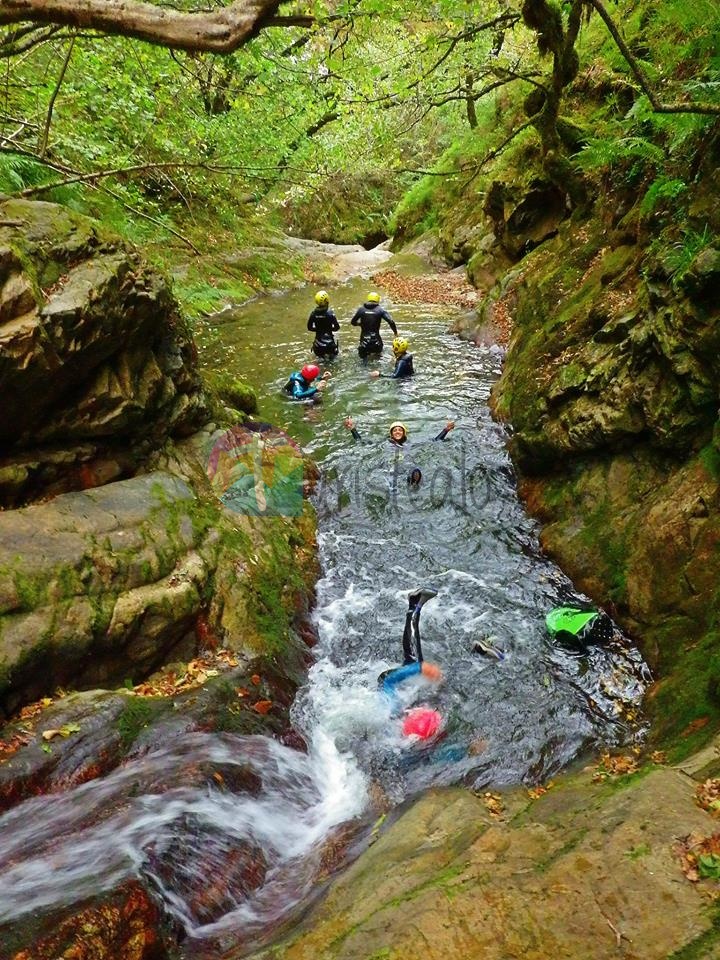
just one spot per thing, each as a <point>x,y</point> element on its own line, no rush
<point>421,722</point>
<point>304,384</point>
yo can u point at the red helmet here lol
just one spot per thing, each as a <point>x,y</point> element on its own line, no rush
<point>310,371</point>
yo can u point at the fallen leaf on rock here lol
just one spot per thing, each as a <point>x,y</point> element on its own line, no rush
<point>536,792</point>
<point>494,804</point>
<point>255,678</point>
<point>707,796</point>
<point>242,691</point>
<point>262,706</point>
<point>619,766</point>
<point>699,857</point>
<point>64,731</point>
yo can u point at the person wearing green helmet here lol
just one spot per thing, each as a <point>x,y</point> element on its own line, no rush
<point>323,323</point>
<point>403,361</point>
<point>369,317</point>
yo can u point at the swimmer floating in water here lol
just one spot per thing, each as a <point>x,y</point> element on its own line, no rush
<point>421,722</point>
<point>398,432</point>
<point>397,436</point>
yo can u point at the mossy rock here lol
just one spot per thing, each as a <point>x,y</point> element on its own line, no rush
<point>232,390</point>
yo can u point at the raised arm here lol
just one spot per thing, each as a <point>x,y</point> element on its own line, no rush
<point>350,424</point>
<point>450,425</point>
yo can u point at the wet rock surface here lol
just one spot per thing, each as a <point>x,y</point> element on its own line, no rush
<point>97,368</point>
<point>586,870</point>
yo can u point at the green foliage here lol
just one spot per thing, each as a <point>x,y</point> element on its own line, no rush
<point>709,866</point>
<point>663,189</point>
<point>678,258</point>
<point>600,154</point>
<point>138,712</point>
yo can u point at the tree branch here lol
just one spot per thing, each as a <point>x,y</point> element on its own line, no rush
<point>637,71</point>
<point>51,105</point>
<point>22,40</point>
<point>220,31</point>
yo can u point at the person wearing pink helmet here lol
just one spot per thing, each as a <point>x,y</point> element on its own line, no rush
<point>304,384</point>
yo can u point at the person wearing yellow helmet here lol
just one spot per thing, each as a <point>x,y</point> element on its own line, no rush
<point>403,361</point>
<point>323,323</point>
<point>369,317</point>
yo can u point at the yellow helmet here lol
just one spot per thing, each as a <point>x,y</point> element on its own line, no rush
<point>373,297</point>
<point>322,299</point>
<point>400,345</point>
<point>398,423</point>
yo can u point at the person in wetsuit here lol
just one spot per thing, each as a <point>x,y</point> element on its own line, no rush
<point>323,322</point>
<point>397,436</point>
<point>398,432</point>
<point>403,361</point>
<point>301,385</point>
<point>413,664</point>
<point>369,317</point>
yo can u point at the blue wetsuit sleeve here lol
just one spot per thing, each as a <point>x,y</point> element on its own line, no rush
<point>311,321</point>
<point>356,434</point>
<point>335,324</point>
<point>399,675</point>
<point>356,319</point>
<point>443,433</point>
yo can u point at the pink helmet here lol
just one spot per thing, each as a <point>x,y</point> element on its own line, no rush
<point>310,371</point>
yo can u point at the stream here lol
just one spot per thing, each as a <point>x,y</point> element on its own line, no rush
<point>463,532</point>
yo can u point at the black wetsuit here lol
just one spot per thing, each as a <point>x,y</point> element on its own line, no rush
<point>369,317</point>
<point>323,322</point>
<point>412,651</point>
<point>403,368</point>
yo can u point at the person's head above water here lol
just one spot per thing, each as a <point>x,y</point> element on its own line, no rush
<point>373,297</point>
<point>400,345</point>
<point>398,432</point>
<point>310,372</point>
<point>322,299</point>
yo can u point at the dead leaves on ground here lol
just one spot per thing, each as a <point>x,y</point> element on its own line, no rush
<point>536,792</point>
<point>699,857</point>
<point>445,288</point>
<point>194,674</point>
<point>707,796</point>
<point>494,804</point>
<point>620,766</point>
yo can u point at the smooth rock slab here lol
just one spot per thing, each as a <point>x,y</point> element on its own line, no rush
<point>98,586</point>
<point>587,871</point>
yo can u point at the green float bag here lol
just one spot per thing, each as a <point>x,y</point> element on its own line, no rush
<point>579,627</point>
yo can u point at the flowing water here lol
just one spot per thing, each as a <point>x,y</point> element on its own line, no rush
<point>464,532</point>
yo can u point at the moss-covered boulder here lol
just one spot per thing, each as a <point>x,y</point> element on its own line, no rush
<point>97,368</point>
<point>107,584</point>
<point>612,386</point>
<point>589,869</point>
